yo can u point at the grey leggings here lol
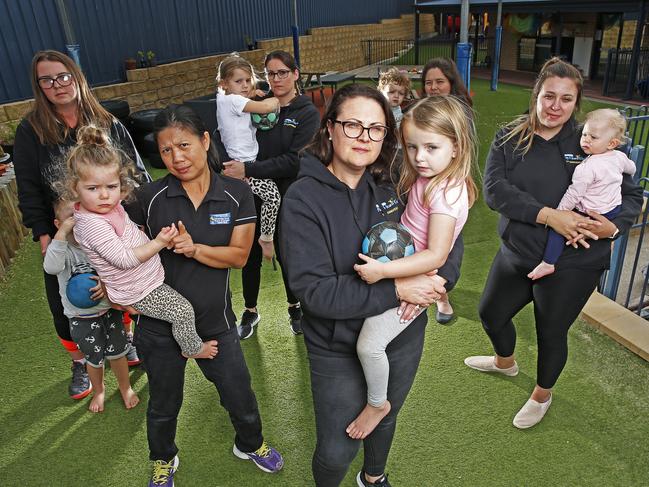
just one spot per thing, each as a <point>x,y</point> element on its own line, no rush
<point>167,304</point>
<point>377,332</point>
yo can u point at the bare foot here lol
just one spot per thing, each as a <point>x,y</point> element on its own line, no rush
<point>208,350</point>
<point>97,402</point>
<point>365,422</point>
<point>541,270</point>
<point>130,398</point>
<point>267,248</point>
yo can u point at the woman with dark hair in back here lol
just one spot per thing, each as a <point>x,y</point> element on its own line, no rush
<point>278,160</point>
<point>440,76</point>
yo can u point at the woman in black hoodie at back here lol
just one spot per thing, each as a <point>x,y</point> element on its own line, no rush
<point>339,195</point>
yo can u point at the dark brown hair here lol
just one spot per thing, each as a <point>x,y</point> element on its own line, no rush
<point>322,148</point>
<point>448,69</point>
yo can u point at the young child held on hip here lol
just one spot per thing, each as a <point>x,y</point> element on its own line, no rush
<point>596,182</point>
<point>97,180</point>
<point>98,331</point>
<point>395,86</point>
<point>440,146</point>
<point>236,79</point>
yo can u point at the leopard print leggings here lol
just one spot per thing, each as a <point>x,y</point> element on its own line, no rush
<point>167,304</point>
<point>267,190</point>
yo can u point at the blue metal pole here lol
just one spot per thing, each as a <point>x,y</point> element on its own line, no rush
<point>495,69</point>
<point>463,61</point>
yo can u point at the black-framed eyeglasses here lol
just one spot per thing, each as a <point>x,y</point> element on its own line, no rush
<point>63,79</point>
<point>279,74</point>
<point>354,130</point>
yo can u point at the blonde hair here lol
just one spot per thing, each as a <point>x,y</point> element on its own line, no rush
<point>49,127</point>
<point>94,149</point>
<point>448,116</point>
<point>393,77</point>
<point>524,127</point>
<point>226,68</point>
<point>615,121</point>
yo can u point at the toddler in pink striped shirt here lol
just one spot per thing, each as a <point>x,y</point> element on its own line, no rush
<point>97,179</point>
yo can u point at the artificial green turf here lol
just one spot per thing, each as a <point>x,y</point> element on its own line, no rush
<point>454,430</point>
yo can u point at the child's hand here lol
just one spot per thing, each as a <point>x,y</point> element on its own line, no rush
<point>370,272</point>
<point>67,225</point>
<point>276,103</point>
<point>166,235</point>
<point>259,93</point>
<point>98,292</point>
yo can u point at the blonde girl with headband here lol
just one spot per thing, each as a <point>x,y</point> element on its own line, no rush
<point>236,85</point>
<point>98,179</point>
<point>440,145</point>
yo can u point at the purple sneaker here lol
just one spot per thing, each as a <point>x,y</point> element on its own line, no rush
<point>266,457</point>
<point>163,473</point>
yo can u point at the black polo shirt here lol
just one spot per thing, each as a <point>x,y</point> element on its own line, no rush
<point>228,203</point>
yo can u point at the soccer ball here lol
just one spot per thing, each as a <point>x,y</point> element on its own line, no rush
<point>264,121</point>
<point>78,290</point>
<point>388,241</point>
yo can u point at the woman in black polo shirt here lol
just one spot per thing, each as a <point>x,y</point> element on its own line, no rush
<point>218,225</point>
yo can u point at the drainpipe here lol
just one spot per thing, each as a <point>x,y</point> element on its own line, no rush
<point>68,31</point>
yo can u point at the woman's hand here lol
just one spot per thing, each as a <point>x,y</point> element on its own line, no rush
<point>571,225</point>
<point>371,271</point>
<point>420,290</point>
<point>45,242</point>
<point>183,243</point>
<point>98,292</point>
<point>601,228</point>
<point>408,311</point>
<point>234,169</point>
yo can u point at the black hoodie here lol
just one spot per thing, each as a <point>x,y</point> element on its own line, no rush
<point>323,223</point>
<point>517,186</point>
<point>279,147</point>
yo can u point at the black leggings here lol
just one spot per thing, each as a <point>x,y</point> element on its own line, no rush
<point>61,322</point>
<point>251,272</point>
<point>558,299</point>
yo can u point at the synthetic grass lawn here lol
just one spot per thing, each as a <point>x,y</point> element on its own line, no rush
<point>454,430</point>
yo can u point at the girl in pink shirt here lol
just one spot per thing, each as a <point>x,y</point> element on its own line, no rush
<point>439,141</point>
<point>596,181</point>
<point>97,179</point>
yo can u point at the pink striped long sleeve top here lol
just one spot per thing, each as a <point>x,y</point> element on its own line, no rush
<point>108,241</point>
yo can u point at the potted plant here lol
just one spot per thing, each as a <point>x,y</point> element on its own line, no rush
<point>249,42</point>
<point>141,59</point>
<point>150,56</point>
<point>7,136</point>
<point>130,63</point>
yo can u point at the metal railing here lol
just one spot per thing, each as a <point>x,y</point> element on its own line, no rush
<point>618,70</point>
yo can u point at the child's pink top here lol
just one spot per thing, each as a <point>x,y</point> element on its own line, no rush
<point>453,202</point>
<point>596,183</point>
<point>108,241</point>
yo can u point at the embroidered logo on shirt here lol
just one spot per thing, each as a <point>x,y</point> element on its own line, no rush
<point>291,122</point>
<point>220,218</point>
<point>388,207</point>
<point>574,158</point>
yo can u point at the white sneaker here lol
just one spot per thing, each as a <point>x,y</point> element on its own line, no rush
<point>487,363</point>
<point>531,413</point>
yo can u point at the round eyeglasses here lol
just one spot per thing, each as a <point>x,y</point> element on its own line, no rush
<point>279,74</point>
<point>63,79</point>
<point>354,130</point>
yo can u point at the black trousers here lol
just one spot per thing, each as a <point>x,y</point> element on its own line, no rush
<point>558,299</point>
<point>340,393</point>
<point>61,322</point>
<point>251,272</point>
<point>165,369</point>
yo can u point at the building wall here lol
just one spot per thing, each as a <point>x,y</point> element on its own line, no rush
<point>324,49</point>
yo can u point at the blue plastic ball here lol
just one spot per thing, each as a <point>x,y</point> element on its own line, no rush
<point>78,290</point>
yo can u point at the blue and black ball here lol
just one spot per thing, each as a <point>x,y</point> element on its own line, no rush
<point>388,241</point>
<point>78,290</point>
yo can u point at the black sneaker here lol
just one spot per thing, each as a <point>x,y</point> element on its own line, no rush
<point>295,319</point>
<point>363,482</point>
<point>247,324</point>
<point>80,385</point>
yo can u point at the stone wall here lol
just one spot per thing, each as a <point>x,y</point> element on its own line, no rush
<point>323,49</point>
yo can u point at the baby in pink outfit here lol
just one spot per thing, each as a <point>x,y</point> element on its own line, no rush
<point>596,182</point>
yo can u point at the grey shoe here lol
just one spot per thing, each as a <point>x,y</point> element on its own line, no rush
<point>486,363</point>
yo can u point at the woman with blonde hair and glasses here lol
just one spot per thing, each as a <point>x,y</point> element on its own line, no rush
<point>63,103</point>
